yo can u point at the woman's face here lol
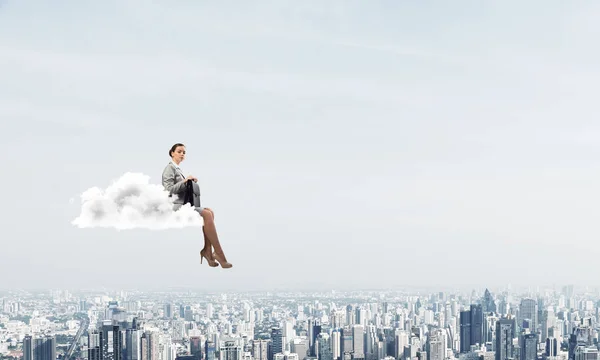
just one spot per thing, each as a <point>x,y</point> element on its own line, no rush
<point>179,154</point>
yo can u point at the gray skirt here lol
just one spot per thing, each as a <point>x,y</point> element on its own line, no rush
<point>199,209</point>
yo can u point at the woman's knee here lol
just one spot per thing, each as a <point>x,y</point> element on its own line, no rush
<point>207,215</point>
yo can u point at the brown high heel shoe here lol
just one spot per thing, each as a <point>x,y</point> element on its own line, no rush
<point>222,261</point>
<point>211,262</point>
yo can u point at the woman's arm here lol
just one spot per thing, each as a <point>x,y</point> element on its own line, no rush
<point>168,181</point>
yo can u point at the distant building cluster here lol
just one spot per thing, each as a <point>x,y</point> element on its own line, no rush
<point>386,325</point>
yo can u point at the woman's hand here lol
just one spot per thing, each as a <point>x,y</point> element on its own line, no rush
<point>191,177</point>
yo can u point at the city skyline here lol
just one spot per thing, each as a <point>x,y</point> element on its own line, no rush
<point>558,324</point>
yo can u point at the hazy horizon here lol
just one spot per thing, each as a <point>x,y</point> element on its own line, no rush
<point>341,143</point>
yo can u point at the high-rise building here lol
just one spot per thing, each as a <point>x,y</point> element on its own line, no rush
<point>465,331</point>
<point>336,344</point>
<point>276,341</point>
<point>260,349</point>
<point>528,344</point>
<point>196,347</point>
<point>436,345</point>
<point>231,349</point>
<point>350,315</point>
<point>324,347</point>
<point>300,346</point>
<point>94,349</point>
<point>476,336</point>
<point>150,342</point>
<point>168,311</point>
<point>347,343</point>
<point>551,347</point>
<point>528,313</point>
<point>505,331</point>
<point>39,348</point>
<point>488,305</point>
<point>28,348</point>
<point>210,350</point>
<point>133,344</point>
<point>358,338</point>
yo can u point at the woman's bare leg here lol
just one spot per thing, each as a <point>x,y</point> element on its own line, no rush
<point>211,232</point>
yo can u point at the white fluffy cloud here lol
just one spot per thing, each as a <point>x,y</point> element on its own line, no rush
<point>132,202</point>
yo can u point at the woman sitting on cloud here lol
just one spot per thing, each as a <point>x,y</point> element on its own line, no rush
<point>175,182</point>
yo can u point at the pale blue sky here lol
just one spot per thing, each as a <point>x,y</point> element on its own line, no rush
<point>350,143</point>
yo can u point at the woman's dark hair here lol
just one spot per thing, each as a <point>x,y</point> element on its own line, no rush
<point>173,148</point>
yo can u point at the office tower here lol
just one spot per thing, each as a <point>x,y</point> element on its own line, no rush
<point>505,330</point>
<point>551,347</point>
<point>288,331</point>
<point>111,341</point>
<point>549,322</point>
<point>133,344</point>
<point>476,336</point>
<point>196,347</point>
<point>336,344</point>
<point>347,343</point>
<point>350,315</point>
<point>324,347</point>
<point>465,331</point>
<point>231,349</point>
<point>372,342</point>
<point>166,349</point>
<point>358,338</point>
<point>528,311</point>
<point>488,305</point>
<point>94,349</point>
<point>188,313</point>
<point>276,341</point>
<point>260,349</point>
<point>586,353</point>
<point>28,348</point>
<point>401,340</point>
<point>210,350</point>
<point>528,344</point>
<point>39,348</point>
<point>581,336</point>
<point>168,311</point>
<point>436,345</point>
<point>314,329</point>
<point>43,348</point>
<point>300,346</point>
<point>150,342</point>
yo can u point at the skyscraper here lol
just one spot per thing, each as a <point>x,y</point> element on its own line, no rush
<point>196,347</point>
<point>528,343</point>
<point>111,341</point>
<point>476,336</point>
<point>276,340</point>
<point>260,349</point>
<point>436,345</point>
<point>358,337</point>
<point>231,349</point>
<point>324,347</point>
<point>132,344</point>
<point>465,331</point>
<point>505,329</point>
<point>39,348</point>
<point>150,344</point>
<point>528,310</point>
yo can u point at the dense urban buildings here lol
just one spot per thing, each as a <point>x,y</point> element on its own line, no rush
<point>388,325</point>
